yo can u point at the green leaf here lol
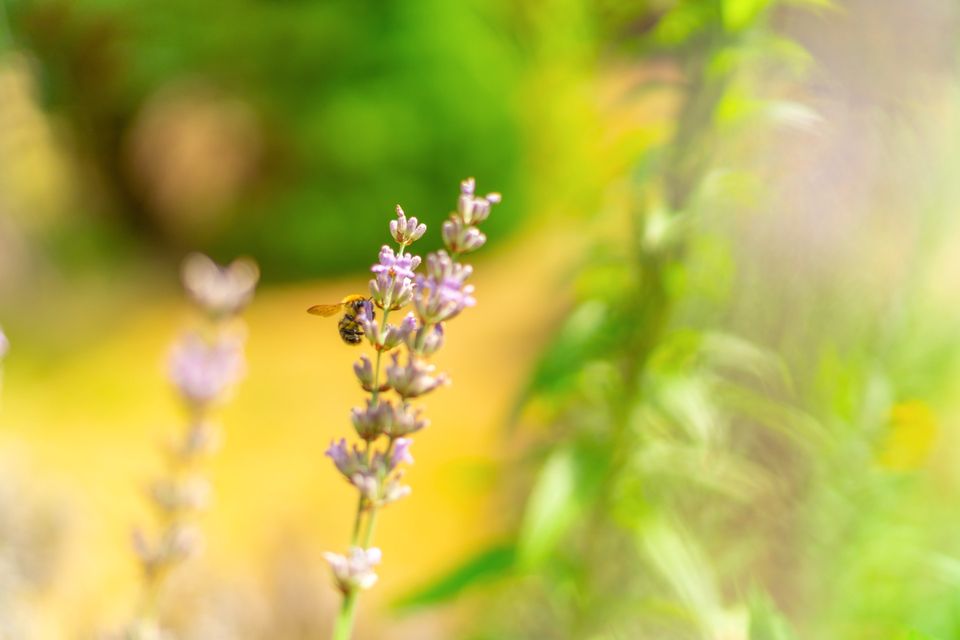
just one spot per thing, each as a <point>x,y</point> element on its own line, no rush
<point>551,508</point>
<point>766,623</point>
<point>681,562</point>
<point>568,481</point>
<point>575,343</point>
<point>486,565</point>
<point>682,23</point>
<point>741,14</point>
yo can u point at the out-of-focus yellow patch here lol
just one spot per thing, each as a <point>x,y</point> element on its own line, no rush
<point>913,429</point>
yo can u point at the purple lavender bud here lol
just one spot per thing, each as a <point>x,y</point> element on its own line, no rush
<point>414,379</point>
<point>220,291</point>
<point>391,293</point>
<point>472,240</point>
<point>354,570</point>
<point>406,231</point>
<point>401,452</point>
<point>450,232</point>
<point>348,462</point>
<point>4,344</point>
<point>473,209</point>
<point>437,301</point>
<point>406,421</point>
<point>397,334</point>
<point>392,336</point>
<point>430,341</point>
<point>401,265</point>
<point>426,341</point>
<point>442,268</point>
<point>373,420</point>
<point>203,371</point>
<point>460,237</point>
<point>364,371</point>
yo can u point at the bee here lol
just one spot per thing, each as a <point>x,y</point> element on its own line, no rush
<point>350,330</point>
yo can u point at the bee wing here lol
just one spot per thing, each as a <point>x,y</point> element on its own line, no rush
<point>325,310</point>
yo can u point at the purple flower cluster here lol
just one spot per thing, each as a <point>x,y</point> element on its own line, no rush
<point>355,570</point>
<point>219,291</point>
<point>436,295</point>
<point>376,476</point>
<point>204,364</point>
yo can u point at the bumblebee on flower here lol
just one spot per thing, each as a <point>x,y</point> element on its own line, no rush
<point>384,424</point>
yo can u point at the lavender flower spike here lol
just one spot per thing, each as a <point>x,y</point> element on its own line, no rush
<point>437,294</point>
<point>4,344</point>
<point>355,570</point>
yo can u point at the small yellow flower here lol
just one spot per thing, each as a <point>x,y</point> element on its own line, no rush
<point>912,431</point>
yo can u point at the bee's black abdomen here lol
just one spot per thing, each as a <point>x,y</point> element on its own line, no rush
<point>350,329</point>
<point>352,337</point>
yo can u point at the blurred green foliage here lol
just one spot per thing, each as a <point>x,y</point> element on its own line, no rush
<point>354,106</point>
<point>731,450</point>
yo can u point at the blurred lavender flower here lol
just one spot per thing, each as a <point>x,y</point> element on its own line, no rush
<point>221,291</point>
<point>204,364</point>
<point>405,231</point>
<point>355,570</point>
<point>4,345</point>
<point>203,371</point>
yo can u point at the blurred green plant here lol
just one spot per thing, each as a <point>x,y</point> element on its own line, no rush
<point>665,431</point>
<point>694,483</point>
<point>284,130</point>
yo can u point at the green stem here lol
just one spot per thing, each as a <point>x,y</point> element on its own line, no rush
<point>343,626</point>
<point>357,522</point>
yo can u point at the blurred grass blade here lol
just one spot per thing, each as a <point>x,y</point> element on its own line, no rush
<point>741,14</point>
<point>683,565</point>
<point>766,623</point>
<point>551,509</point>
<point>485,566</point>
